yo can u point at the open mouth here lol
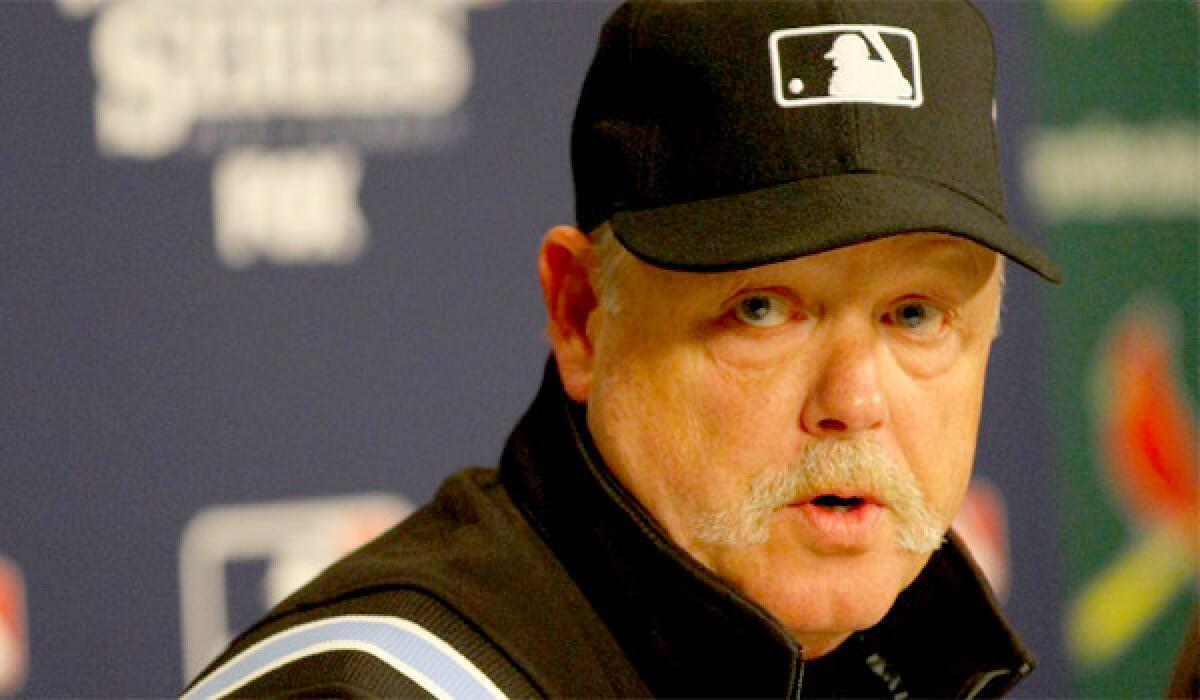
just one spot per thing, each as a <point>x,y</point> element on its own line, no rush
<point>840,522</point>
<point>839,504</point>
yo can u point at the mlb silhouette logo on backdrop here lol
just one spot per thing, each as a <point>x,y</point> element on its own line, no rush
<point>841,63</point>
<point>294,539</point>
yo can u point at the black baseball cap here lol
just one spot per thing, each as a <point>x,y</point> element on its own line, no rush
<point>725,134</point>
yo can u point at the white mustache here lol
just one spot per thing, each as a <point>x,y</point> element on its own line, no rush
<point>829,466</point>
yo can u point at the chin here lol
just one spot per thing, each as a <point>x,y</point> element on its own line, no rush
<point>825,609</point>
<point>823,599</point>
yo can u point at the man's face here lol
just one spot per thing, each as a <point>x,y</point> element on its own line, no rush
<point>709,391</point>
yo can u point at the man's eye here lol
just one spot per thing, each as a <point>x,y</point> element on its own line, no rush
<point>762,310</point>
<point>915,316</point>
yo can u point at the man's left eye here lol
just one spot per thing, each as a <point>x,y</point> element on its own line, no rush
<point>915,316</point>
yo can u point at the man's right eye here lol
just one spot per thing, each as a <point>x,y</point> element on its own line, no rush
<point>762,310</point>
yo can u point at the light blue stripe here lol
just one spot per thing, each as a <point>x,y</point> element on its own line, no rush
<point>424,657</point>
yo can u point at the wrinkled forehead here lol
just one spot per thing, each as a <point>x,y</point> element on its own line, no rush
<point>942,252</point>
<point>929,257</point>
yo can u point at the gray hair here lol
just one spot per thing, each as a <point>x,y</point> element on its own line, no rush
<point>613,262</point>
<point>826,467</point>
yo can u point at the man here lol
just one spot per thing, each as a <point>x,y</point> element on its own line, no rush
<point>760,418</point>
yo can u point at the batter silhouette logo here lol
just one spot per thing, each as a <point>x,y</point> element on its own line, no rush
<point>846,63</point>
<point>285,543</point>
<point>14,647</point>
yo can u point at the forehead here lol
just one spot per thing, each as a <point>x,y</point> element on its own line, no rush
<point>936,253</point>
<point>934,258</point>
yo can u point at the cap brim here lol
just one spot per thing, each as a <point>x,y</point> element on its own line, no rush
<point>812,216</point>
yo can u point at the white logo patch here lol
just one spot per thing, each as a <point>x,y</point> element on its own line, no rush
<point>839,63</point>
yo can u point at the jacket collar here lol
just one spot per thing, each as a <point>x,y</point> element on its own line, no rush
<point>688,633</point>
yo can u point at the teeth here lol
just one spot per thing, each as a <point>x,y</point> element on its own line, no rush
<point>841,508</point>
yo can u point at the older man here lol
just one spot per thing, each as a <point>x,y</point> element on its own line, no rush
<point>770,332</point>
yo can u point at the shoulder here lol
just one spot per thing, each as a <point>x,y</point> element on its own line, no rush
<point>391,643</point>
<point>392,619</point>
<point>464,583</point>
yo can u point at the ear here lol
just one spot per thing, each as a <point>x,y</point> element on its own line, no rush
<point>564,261</point>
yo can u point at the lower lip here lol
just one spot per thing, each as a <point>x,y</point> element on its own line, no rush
<point>841,530</point>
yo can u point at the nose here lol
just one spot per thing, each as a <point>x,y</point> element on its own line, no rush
<point>846,397</point>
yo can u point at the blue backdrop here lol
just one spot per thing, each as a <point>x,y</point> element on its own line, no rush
<point>268,277</point>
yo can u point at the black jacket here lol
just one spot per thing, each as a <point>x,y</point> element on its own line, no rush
<point>553,581</point>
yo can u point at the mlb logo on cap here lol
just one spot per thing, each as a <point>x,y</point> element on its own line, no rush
<point>839,63</point>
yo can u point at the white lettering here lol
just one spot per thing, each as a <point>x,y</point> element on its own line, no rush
<point>1102,170</point>
<point>288,207</point>
<point>142,109</point>
<point>162,66</point>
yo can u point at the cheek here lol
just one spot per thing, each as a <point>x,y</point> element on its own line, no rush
<point>642,415</point>
<point>746,423</point>
<point>748,412</point>
<point>937,426</point>
<point>685,433</point>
